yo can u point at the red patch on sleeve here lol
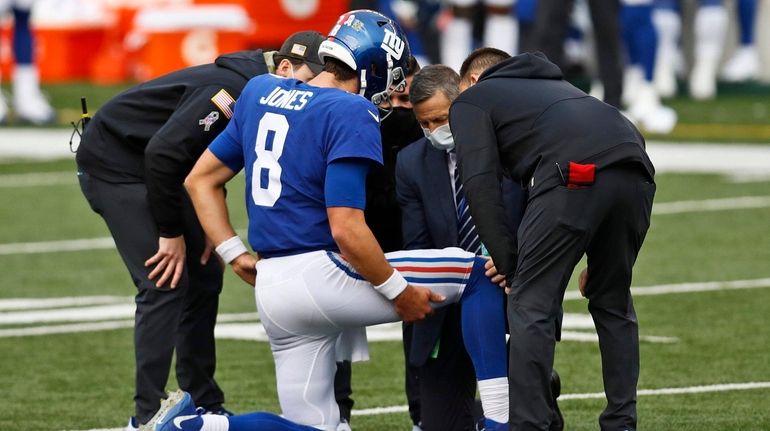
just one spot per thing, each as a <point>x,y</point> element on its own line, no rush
<point>581,175</point>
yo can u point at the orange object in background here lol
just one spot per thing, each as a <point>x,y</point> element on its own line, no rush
<point>275,20</point>
<point>65,53</point>
<point>162,35</point>
<point>62,53</point>
<point>167,39</point>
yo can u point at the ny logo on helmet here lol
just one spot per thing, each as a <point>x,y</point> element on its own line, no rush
<point>392,44</point>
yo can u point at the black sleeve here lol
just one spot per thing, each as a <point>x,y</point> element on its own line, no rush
<point>479,164</point>
<point>174,149</point>
<point>413,225</point>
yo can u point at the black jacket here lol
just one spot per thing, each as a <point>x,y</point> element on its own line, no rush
<point>383,215</point>
<point>153,133</point>
<point>520,120</point>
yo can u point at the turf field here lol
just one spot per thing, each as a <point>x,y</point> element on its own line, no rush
<point>700,334</point>
<point>702,297</point>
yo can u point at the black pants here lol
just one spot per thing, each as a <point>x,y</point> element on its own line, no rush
<point>444,387</point>
<point>180,319</point>
<point>608,222</point>
<point>550,28</point>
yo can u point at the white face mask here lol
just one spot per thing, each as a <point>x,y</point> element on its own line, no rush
<point>441,138</point>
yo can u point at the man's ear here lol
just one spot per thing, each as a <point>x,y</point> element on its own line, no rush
<point>283,67</point>
<point>474,78</point>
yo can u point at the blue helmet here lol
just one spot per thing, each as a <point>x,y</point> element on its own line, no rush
<point>375,47</point>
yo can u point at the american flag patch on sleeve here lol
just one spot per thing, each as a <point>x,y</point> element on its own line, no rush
<point>224,102</point>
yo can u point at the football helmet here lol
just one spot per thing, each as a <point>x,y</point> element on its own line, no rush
<point>375,47</point>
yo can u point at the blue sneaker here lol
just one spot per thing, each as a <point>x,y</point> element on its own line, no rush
<point>490,425</point>
<point>174,410</point>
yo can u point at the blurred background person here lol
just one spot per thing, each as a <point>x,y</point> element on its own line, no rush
<point>500,29</point>
<point>643,105</point>
<point>744,64</point>
<point>29,104</point>
<point>710,31</point>
<point>417,19</point>
<point>546,28</point>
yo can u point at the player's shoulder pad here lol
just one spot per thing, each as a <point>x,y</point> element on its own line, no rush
<point>358,109</point>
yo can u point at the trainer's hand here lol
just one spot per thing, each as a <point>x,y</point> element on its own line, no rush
<point>207,249</point>
<point>245,266</point>
<point>491,272</point>
<point>414,303</point>
<point>582,281</point>
<point>168,261</point>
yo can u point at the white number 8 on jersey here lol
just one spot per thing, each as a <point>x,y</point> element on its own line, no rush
<point>266,172</point>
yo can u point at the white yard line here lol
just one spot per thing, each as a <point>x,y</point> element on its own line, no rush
<point>725,387</point>
<point>35,303</point>
<point>709,158</point>
<point>679,207</point>
<point>66,329</point>
<point>34,144</point>
<point>36,179</point>
<point>706,286</point>
<point>57,246</point>
<point>77,314</point>
<point>232,326</point>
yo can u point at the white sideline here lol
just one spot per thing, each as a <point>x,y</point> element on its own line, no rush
<point>226,328</point>
<point>585,396</point>
<point>35,179</point>
<point>707,286</point>
<point>679,207</point>
<point>34,303</point>
<point>57,246</point>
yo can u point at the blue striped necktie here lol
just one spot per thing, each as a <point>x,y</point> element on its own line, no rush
<point>466,229</point>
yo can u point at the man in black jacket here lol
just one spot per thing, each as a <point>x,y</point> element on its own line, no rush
<point>431,218</point>
<point>590,186</point>
<point>132,162</point>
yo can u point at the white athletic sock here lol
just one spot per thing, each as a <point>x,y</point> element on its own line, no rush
<point>456,42</point>
<point>502,32</point>
<point>710,30</point>
<point>668,24</point>
<point>215,423</point>
<point>494,398</point>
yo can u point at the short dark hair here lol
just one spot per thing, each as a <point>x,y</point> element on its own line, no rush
<point>292,60</point>
<point>340,70</point>
<point>412,66</point>
<point>480,60</point>
<point>432,79</point>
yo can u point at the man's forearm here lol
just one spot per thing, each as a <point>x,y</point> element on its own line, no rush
<point>358,245</point>
<point>211,208</point>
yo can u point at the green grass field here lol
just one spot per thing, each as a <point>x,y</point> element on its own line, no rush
<point>78,381</point>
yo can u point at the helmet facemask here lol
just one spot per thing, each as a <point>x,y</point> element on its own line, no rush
<point>396,82</point>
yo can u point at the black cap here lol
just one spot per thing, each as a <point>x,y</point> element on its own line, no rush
<point>303,46</point>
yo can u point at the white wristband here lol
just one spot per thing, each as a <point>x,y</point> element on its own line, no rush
<point>231,248</point>
<point>393,286</point>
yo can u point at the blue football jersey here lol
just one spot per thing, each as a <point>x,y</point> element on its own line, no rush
<point>285,133</point>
